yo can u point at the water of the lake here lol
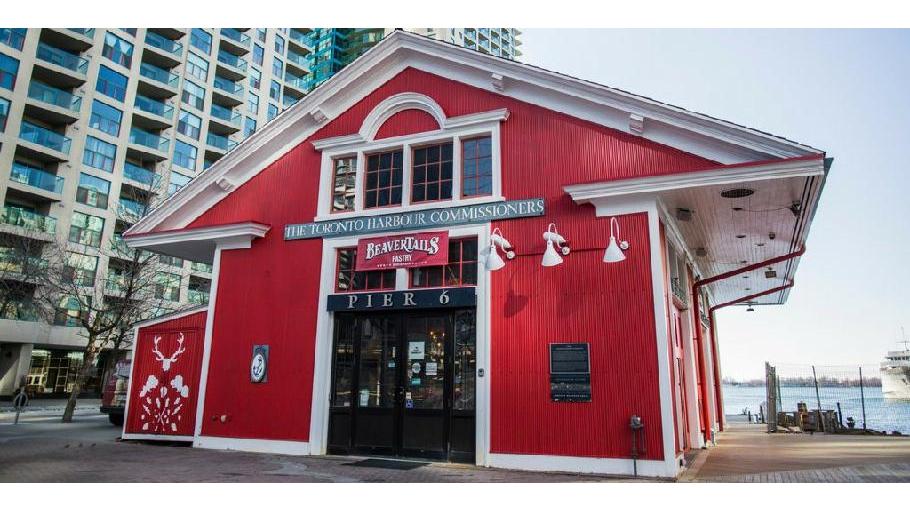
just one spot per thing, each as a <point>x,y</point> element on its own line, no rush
<point>881,413</point>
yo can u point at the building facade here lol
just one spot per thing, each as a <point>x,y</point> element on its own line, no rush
<point>98,125</point>
<point>437,255</point>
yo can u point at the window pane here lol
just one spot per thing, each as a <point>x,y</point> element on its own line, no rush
<point>117,50</point>
<point>460,271</point>
<point>477,167</point>
<point>189,125</point>
<point>9,68</point>
<point>432,173</point>
<point>99,154</point>
<point>92,191</point>
<point>105,118</point>
<point>177,182</point>
<point>383,180</point>
<point>196,66</point>
<point>202,40</point>
<point>111,83</point>
<point>258,54</point>
<point>184,155</point>
<point>193,95</point>
<point>344,183</point>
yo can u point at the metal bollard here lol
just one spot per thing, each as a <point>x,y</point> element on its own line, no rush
<point>19,403</point>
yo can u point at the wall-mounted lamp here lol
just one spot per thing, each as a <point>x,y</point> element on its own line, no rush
<point>493,260</point>
<point>614,252</point>
<point>551,257</point>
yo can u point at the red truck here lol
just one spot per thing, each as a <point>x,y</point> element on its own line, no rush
<point>113,398</point>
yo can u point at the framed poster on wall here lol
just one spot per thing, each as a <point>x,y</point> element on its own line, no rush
<point>570,372</point>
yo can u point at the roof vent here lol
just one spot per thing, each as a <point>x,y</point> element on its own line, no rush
<point>683,214</point>
<point>736,193</point>
<point>770,273</point>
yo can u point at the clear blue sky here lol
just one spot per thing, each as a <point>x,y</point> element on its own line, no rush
<point>844,91</point>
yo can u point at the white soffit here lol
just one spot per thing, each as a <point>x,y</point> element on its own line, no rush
<point>695,133</point>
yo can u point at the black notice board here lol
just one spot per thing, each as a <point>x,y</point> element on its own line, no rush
<point>570,372</point>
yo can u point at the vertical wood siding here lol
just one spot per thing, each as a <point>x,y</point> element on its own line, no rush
<point>268,294</point>
<point>143,409</point>
<point>407,122</point>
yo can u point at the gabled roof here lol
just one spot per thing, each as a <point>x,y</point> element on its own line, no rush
<point>712,138</point>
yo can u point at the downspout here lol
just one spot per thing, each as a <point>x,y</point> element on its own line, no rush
<point>696,313</point>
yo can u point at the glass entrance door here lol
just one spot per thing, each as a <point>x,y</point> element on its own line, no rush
<point>403,384</point>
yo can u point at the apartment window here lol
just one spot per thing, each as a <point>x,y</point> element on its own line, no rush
<point>111,83</point>
<point>197,67</point>
<point>184,155</point>
<point>86,229</point>
<point>119,51</point>
<point>273,111</point>
<point>252,104</point>
<point>171,260</point>
<point>432,173</point>
<point>4,113</point>
<point>275,90</point>
<point>277,66</point>
<point>177,182</point>
<point>350,280</point>
<point>99,154</point>
<point>383,180</point>
<point>258,54</point>
<point>167,286</point>
<point>477,164</point>
<point>70,312</point>
<point>343,184</point>
<point>279,45</point>
<point>9,68</point>
<point>260,34</point>
<point>201,40</point>
<point>130,31</point>
<point>93,191</point>
<point>461,269</point>
<point>249,126</point>
<point>193,95</point>
<point>80,269</point>
<point>105,118</point>
<point>255,78</point>
<point>13,37</point>
<point>189,125</point>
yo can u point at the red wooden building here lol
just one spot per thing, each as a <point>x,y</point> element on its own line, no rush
<point>443,254</point>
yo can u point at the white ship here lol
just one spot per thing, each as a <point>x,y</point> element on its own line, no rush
<point>896,373</point>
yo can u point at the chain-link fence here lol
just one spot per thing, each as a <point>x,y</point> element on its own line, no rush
<point>831,399</point>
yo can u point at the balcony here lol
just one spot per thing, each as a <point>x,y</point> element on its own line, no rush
<point>120,250</point>
<point>52,105</point>
<point>287,101</point>
<point>21,311</point>
<point>165,52</point>
<point>148,145</point>
<point>302,41</point>
<point>224,121</point>
<point>157,82</point>
<point>50,144</point>
<point>297,62</point>
<point>232,66</point>
<point>130,210</point>
<point>298,85</point>
<point>140,175</point>
<point>221,144</point>
<point>30,221</point>
<point>115,284</point>
<point>72,39</point>
<point>15,261</point>
<point>197,297</point>
<point>13,37</point>
<point>227,92</point>
<point>155,114</point>
<point>72,66</point>
<point>197,266</point>
<point>235,41</point>
<point>37,178</point>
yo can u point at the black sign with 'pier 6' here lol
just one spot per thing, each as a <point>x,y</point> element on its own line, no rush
<point>413,299</point>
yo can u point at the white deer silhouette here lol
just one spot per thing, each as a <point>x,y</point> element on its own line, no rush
<point>166,361</point>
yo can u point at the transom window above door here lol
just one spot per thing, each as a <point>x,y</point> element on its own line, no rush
<point>457,164</point>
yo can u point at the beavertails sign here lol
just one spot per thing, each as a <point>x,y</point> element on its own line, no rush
<point>402,251</point>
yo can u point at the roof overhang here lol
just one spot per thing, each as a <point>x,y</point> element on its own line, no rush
<point>198,244</point>
<point>699,134</point>
<point>721,235</point>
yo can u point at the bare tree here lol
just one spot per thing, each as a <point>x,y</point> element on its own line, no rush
<point>103,309</point>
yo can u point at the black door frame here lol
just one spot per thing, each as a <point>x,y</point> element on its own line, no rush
<point>353,414</point>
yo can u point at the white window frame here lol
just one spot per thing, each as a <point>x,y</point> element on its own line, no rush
<point>406,144</point>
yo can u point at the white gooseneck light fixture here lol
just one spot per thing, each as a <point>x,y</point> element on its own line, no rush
<point>551,257</point>
<point>493,260</point>
<point>614,252</point>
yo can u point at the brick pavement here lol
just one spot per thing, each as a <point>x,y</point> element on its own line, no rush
<point>42,450</point>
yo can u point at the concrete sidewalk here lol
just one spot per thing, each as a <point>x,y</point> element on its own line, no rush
<point>746,453</point>
<point>52,404</point>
